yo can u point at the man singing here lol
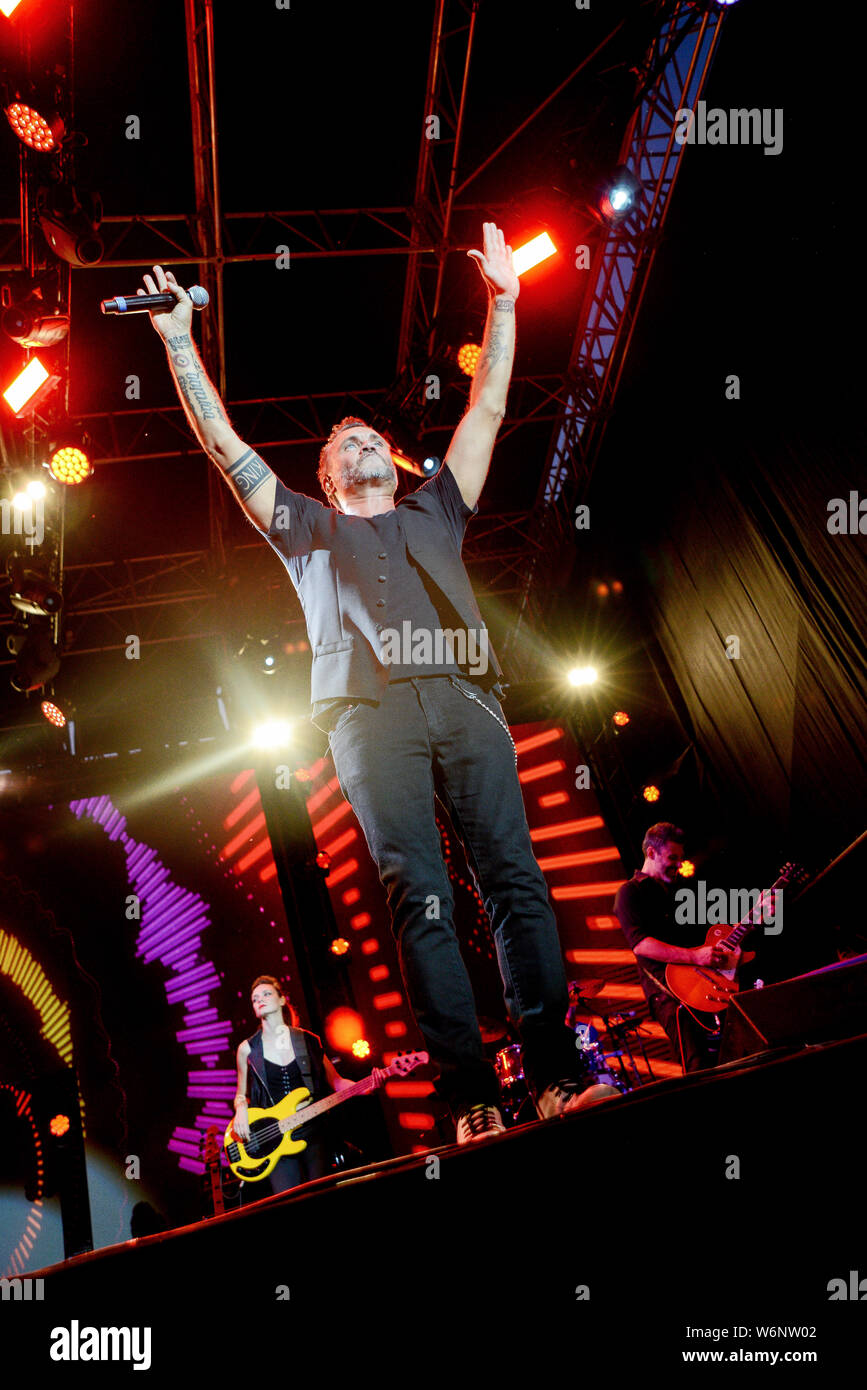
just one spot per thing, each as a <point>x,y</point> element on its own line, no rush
<point>407,688</point>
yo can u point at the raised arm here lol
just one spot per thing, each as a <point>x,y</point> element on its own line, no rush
<point>249,477</point>
<point>469,454</point>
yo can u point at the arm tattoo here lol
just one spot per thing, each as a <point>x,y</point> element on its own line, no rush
<point>506,306</point>
<point>248,474</point>
<point>182,341</point>
<point>496,348</point>
<point>203,404</point>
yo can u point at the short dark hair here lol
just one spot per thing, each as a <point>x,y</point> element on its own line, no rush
<point>658,836</point>
<point>322,471</point>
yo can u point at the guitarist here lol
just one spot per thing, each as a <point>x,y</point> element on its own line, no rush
<point>644,907</point>
<point>273,1061</point>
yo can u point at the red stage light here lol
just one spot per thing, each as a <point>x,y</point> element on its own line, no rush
<point>616,586</point>
<point>620,718</point>
<point>33,129</point>
<point>59,1125</point>
<point>602,591</point>
<point>687,869</point>
<point>31,383</point>
<point>53,714</point>
<point>343,1027</point>
<point>323,861</point>
<point>339,946</point>
<point>651,793</point>
<point>533,253</point>
<point>361,1048</point>
<point>70,465</point>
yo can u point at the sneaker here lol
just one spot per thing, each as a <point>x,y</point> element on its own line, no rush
<point>477,1122</point>
<point>563,1097</point>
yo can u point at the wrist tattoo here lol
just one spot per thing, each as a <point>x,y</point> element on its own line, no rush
<point>182,341</point>
<point>506,306</point>
<point>248,474</point>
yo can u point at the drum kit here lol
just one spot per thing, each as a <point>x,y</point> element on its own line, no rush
<point>597,1066</point>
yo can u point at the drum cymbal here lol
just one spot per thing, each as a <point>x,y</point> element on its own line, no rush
<point>491,1030</point>
<point>585,989</point>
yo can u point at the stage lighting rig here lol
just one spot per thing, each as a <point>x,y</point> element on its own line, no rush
<point>617,197</point>
<point>32,315</point>
<point>36,658</point>
<point>30,387</point>
<point>34,117</point>
<point>32,591</point>
<point>69,463</point>
<point>70,220</point>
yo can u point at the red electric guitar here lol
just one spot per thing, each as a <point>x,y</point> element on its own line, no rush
<point>707,989</point>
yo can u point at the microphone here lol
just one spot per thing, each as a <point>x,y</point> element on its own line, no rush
<point>142,303</point>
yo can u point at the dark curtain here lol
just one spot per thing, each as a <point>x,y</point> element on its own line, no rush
<point>746,552</point>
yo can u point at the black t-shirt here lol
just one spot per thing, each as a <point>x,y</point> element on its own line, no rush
<point>645,907</point>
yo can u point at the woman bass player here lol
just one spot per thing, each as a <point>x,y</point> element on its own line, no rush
<point>277,1059</point>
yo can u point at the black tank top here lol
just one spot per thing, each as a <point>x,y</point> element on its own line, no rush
<point>282,1079</point>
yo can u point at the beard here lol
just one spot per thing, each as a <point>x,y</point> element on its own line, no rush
<point>370,469</point>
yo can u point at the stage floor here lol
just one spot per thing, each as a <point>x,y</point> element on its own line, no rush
<point>729,1200</point>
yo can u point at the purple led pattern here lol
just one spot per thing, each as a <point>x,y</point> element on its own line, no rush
<point>170,929</point>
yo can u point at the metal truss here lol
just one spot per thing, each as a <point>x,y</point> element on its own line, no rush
<point>271,422</point>
<point>178,597</point>
<point>520,555</point>
<point>672,77</point>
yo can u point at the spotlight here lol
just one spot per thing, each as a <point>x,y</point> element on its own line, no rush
<point>533,253</point>
<point>583,675</point>
<point>30,386</point>
<point>37,661</point>
<point>468,358</point>
<point>53,714</point>
<point>8,7</point>
<point>361,1048</point>
<point>70,465</point>
<point>31,330</point>
<point>620,718</point>
<point>40,132</point>
<point>618,197</point>
<point>602,591</point>
<point>323,862</point>
<point>339,946</point>
<point>431,466</point>
<point>273,733</point>
<point>650,792</point>
<point>70,224</point>
<point>32,591</point>
<point>687,869</point>
<point>35,488</point>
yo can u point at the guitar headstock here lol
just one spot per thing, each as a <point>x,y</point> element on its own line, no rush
<point>792,875</point>
<point>407,1062</point>
<point>211,1149</point>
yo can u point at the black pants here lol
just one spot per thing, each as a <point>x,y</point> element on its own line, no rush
<point>700,1048</point>
<point>442,736</point>
<point>290,1171</point>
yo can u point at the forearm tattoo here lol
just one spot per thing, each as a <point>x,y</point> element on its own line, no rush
<point>506,306</point>
<point>248,474</point>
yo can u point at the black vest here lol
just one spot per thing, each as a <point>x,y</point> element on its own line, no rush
<point>334,563</point>
<point>308,1055</point>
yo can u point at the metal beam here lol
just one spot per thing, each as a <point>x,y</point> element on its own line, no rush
<point>672,77</point>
